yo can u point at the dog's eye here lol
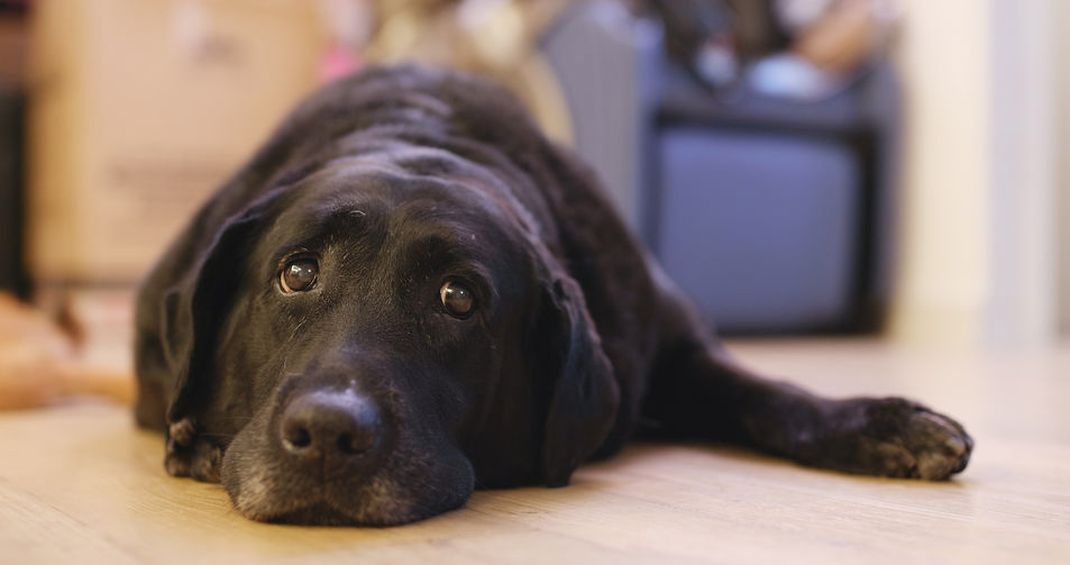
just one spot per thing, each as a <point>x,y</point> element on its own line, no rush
<point>458,300</point>
<point>299,274</point>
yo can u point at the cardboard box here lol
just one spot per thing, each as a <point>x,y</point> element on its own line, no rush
<point>140,109</point>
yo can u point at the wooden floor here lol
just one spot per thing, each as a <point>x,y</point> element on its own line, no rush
<point>79,485</point>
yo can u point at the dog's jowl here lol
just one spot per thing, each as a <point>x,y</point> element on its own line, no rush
<point>409,293</point>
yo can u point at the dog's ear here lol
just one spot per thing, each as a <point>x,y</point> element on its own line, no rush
<point>583,394</point>
<point>194,309</point>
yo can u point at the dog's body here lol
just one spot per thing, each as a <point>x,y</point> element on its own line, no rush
<point>409,292</point>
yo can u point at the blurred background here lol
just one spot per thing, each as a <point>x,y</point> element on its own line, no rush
<point>862,167</point>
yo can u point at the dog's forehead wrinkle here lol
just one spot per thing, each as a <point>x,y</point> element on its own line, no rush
<point>346,211</point>
<point>354,192</point>
<point>402,170</point>
<point>370,170</point>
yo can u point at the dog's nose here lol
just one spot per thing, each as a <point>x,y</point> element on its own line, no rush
<point>332,425</point>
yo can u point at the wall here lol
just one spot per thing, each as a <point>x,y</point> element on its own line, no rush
<point>942,284</point>
<point>1063,62</point>
<point>1022,305</point>
<point>980,256</point>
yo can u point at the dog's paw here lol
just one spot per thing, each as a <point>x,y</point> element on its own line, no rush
<point>191,456</point>
<point>894,437</point>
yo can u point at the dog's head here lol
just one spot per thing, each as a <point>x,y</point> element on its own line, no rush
<point>375,336</point>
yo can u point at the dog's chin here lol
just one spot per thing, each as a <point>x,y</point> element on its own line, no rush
<point>376,502</point>
<point>325,514</point>
<point>405,489</point>
<point>375,505</point>
<point>318,514</point>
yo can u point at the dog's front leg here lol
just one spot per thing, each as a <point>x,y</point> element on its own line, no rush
<point>701,392</point>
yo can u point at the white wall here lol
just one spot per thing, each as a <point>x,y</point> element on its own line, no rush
<point>1023,268</point>
<point>979,257</point>
<point>944,54</point>
<point>1063,151</point>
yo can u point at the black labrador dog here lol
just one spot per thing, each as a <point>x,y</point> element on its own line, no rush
<point>409,293</point>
